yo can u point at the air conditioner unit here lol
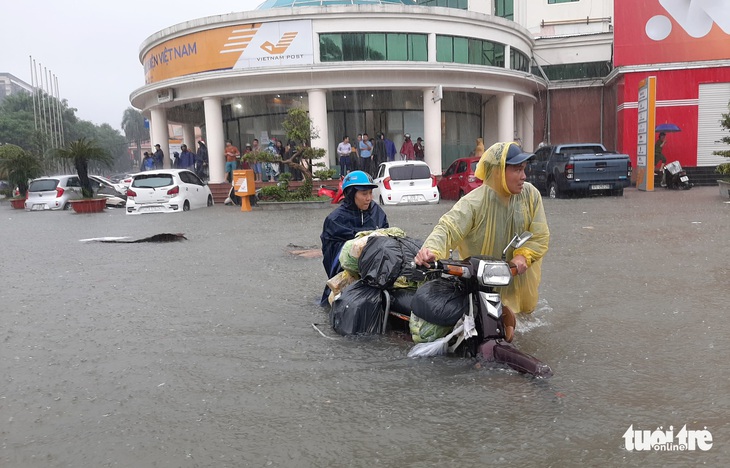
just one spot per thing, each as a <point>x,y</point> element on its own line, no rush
<point>165,95</point>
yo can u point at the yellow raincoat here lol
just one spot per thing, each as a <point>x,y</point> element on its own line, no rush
<point>484,221</point>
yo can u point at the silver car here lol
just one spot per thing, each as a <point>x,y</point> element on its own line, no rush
<point>167,191</point>
<point>53,193</point>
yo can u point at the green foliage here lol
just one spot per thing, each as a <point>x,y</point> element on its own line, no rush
<point>19,167</point>
<point>80,153</point>
<point>299,129</point>
<point>135,130</point>
<point>273,193</point>
<point>325,174</point>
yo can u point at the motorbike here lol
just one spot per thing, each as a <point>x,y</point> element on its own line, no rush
<point>676,178</point>
<point>482,332</point>
<point>334,193</point>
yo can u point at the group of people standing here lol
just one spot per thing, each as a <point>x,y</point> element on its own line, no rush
<point>366,154</point>
<point>185,159</point>
<point>264,171</point>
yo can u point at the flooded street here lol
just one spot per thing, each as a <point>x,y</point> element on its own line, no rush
<point>202,354</point>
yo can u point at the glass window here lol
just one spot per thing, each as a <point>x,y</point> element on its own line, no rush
<point>375,44</point>
<point>353,47</point>
<point>461,50</point>
<point>397,47</point>
<point>504,9</point>
<point>519,61</point>
<point>410,172</point>
<point>444,49</point>
<point>575,71</point>
<point>43,185</point>
<point>152,180</point>
<point>551,2</point>
<point>330,47</point>
<point>418,47</point>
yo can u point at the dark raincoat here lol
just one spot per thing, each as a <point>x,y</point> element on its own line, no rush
<point>341,225</point>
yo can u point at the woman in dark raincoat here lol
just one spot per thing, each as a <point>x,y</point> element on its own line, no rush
<point>356,213</point>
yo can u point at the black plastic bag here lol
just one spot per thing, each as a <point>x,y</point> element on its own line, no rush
<point>401,299</point>
<point>358,310</point>
<point>441,301</point>
<point>385,258</point>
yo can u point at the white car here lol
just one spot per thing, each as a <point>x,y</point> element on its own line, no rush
<point>167,191</point>
<point>53,193</point>
<point>103,187</point>
<point>405,182</point>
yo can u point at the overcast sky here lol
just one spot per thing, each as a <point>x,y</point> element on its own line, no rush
<point>92,46</point>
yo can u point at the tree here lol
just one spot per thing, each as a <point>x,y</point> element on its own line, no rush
<point>299,129</point>
<point>724,169</point>
<point>80,153</point>
<point>135,130</point>
<point>19,166</point>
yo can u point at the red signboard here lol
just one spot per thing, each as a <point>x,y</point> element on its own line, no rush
<point>664,31</point>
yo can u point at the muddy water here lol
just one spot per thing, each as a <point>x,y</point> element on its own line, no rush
<point>202,353</point>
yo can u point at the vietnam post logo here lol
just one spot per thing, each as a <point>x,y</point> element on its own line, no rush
<point>696,17</point>
<point>280,46</point>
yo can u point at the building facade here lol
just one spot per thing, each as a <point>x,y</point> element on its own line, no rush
<point>449,71</point>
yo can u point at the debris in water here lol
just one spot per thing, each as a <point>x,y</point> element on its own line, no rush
<point>164,237</point>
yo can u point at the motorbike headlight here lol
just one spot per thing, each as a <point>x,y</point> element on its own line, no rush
<point>494,273</point>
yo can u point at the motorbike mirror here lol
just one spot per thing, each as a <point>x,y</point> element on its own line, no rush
<point>517,241</point>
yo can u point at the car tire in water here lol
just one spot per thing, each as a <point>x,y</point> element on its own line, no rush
<point>381,200</point>
<point>67,206</point>
<point>186,206</point>
<point>461,194</point>
<point>210,200</point>
<point>553,190</point>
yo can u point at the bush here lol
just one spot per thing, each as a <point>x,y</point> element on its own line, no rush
<point>724,169</point>
<point>325,174</point>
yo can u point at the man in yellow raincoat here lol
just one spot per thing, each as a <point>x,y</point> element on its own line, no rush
<point>485,220</point>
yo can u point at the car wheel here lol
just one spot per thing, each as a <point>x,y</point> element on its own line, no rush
<point>186,206</point>
<point>210,200</point>
<point>553,190</point>
<point>381,200</point>
<point>67,206</point>
<point>461,194</point>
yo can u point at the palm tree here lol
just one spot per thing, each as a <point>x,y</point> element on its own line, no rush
<point>18,167</point>
<point>80,153</point>
<point>135,130</point>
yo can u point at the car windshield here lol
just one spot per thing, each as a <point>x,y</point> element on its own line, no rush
<point>152,181</point>
<point>410,172</point>
<point>44,185</point>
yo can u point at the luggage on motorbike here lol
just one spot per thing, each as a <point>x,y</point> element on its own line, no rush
<point>426,332</point>
<point>384,259</point>
<point>401,299</point>
<point>358,310</point>
<point>441,301</point>
<point>339,282</point>
<point>352,249</point>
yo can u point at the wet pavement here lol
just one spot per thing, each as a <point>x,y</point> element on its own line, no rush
<point>202,353</point>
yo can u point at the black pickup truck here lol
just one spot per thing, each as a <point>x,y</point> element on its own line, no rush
<point>578,168</point>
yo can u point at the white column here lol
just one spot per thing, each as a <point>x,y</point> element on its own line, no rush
<point>318,114</point>
<point>528,128</point>
<point>216,145</point>
<point>432,48</point>
<point>432,131</point>
<point>506,117</point>
<point>519,121</point>
<point>159,129</point>
<point>507,57</point>
<point>189,136</point>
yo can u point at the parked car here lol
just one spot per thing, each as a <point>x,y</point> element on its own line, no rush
<point>122,180</point>
<point>53,193</point>
<point>405,182</point>
<point>167,191</point>
<point>578,168</point>
<point>459,179</point>
<point>103,187</point>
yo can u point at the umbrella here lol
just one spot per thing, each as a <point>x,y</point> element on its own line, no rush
<point>667,128</point>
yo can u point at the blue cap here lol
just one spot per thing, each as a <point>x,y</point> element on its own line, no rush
<point>515,155</point>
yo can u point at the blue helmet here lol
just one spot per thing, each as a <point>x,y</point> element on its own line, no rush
<point>360,180</point>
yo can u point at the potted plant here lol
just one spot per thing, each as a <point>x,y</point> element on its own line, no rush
<point>18,167</point>
<point>724,169</point>
<point>81,152</point>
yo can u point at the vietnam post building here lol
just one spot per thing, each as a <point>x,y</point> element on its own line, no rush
<point>449,71</point>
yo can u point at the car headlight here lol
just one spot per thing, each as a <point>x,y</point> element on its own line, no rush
<point>493,273</point>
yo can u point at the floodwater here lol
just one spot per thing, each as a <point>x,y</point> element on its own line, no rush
<point>202,353</point>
